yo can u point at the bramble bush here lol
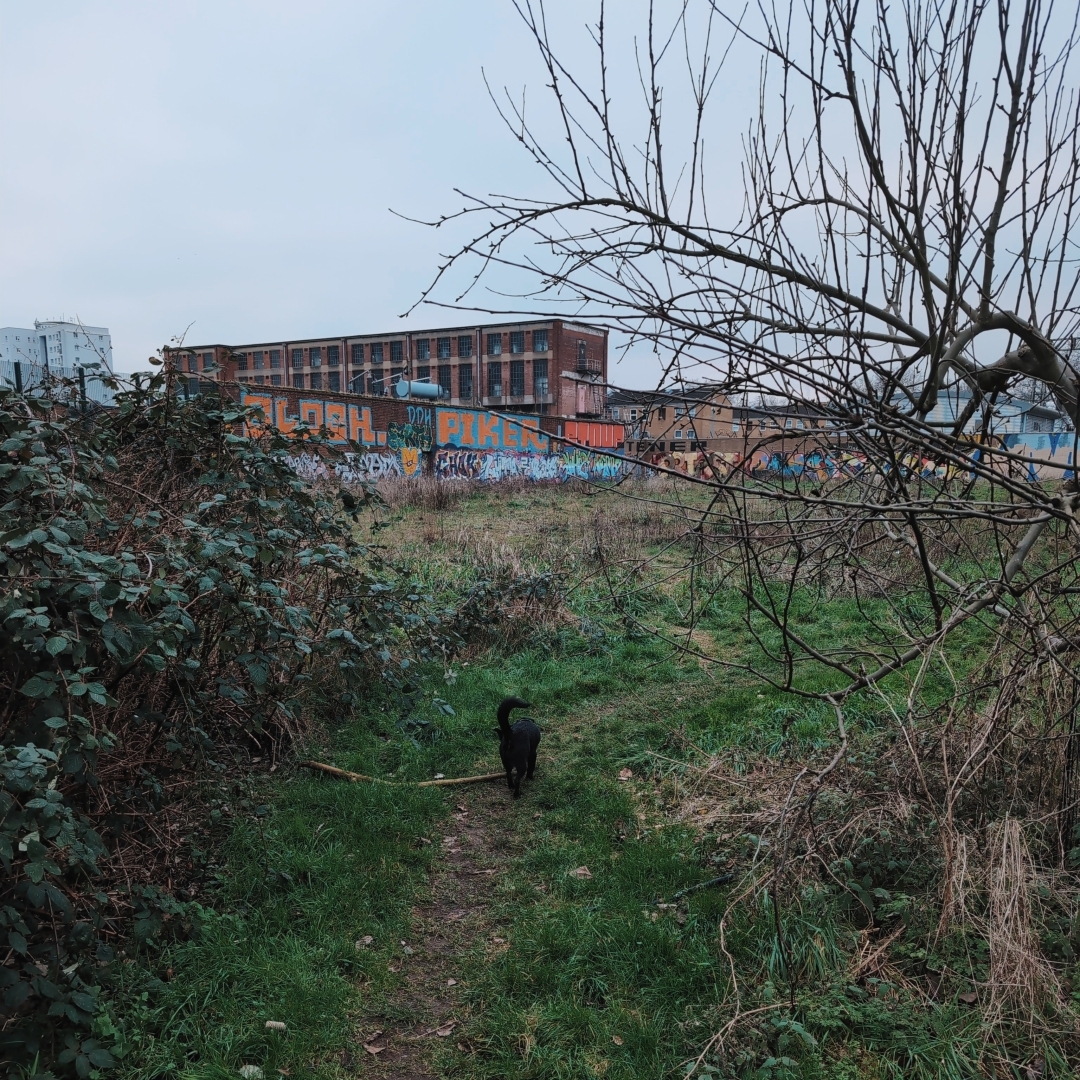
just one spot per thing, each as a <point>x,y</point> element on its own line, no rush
<point>170,590</point>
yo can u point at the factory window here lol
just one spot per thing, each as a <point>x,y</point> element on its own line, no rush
<point>241,361</point>
<point>661,414</point>
<point>333,381</point>
<point>192,387</point>
<point>358,353</point>
<point>423,373</point>
<point>207,360</point>
<point>581,351</point>
<point>316,357</point>
<point>517,378</point>
<point>442,346</point>
<point>464,346</point>
<point>376,352</point>
<point>275,380</point>
<point>275,358</point>
<point>540,378</point>
<point>376,379</point>
<point>193,363</point>
<point>423,348</point>
<point>397,352</point>
<point>444,378</point>
<point>540,341</point>
<point>333,355</point>
<point>297,360</point>
<point>494,344</point>
<point>298,381</point>
<point>464,375</point>
<point>260,379</point>
<point>517,341</point>
<point>316,380</point>
<point>257,360</point>
<point>494,385</point>
<point>395,375</point>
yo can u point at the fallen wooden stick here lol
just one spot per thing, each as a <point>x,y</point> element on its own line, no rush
<point>355,777</point>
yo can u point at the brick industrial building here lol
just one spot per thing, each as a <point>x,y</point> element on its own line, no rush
<point>549,367</point>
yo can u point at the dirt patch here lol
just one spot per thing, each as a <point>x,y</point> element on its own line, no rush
<point>429,1006</point>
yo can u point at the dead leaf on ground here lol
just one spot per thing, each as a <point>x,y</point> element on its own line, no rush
<point>440,776</point>
<point>451,982</point>
<point>626,774</point>
<point>370,1045</point>
<point>446,1029</point>
<point>581,872</point>
<point>364,942</point>
<point>616,1040</point>
<point>968,998</point>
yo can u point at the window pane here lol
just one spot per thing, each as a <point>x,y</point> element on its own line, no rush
<point>444,378</point>
<point>464,345</point>
<point>494,344</point>
<point>494,387</point>
<point>423,349</point>
<point>333,381</point>
<point>316,380</point>
<point>207,360</point>
<point>540,341</point>
<point>376,353</point>
<point>376,382</point>
<point>257,360</point>
<point>297,361</point>
<point>298,381</point>
<point>333,355</point>
<point>443,345</point>
<point>517,341</point>
<point>241,362</point>
<point>397,352</point>
<point>423,373</point>
<point>358,354</point>
<point>465,381</point>
<point>517,378</point>
<point>316,357</point>
<point>260,379</point>
<point>275,359</point>
<point>275,380</point>
<point>540,378</point>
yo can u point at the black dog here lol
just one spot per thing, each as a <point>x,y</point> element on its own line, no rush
<point>517,744</point>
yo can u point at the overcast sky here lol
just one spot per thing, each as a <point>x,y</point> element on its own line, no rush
<point>231,164</point>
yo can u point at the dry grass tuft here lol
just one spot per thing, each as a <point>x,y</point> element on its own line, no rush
<point>1022,983</point>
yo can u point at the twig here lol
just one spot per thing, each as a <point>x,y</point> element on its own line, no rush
<point>723,879</point>
<point>355,777</point>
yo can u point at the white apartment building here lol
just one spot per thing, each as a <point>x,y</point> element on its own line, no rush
<point>57,349</point>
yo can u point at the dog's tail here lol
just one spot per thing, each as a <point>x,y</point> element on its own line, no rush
<point>504,710</point>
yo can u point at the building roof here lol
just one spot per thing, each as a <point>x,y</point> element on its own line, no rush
<point>387,335</point>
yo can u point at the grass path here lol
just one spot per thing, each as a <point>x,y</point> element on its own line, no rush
<point>429,1003</point>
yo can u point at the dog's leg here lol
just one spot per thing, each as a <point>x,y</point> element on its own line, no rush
<point>532,765</point>
<point>510,778</point>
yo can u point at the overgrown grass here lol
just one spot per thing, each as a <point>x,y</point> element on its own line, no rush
<point>595,979</point>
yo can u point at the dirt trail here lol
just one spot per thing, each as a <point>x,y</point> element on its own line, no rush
<point>475,845</point>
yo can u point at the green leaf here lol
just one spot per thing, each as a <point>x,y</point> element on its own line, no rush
<point>55,645</point>
<point>38,686</point>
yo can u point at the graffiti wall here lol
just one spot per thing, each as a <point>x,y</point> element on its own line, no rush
<point>459,444</point>
<point>473,429</point>
<point>344,421</point>
<point>491,465</point>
